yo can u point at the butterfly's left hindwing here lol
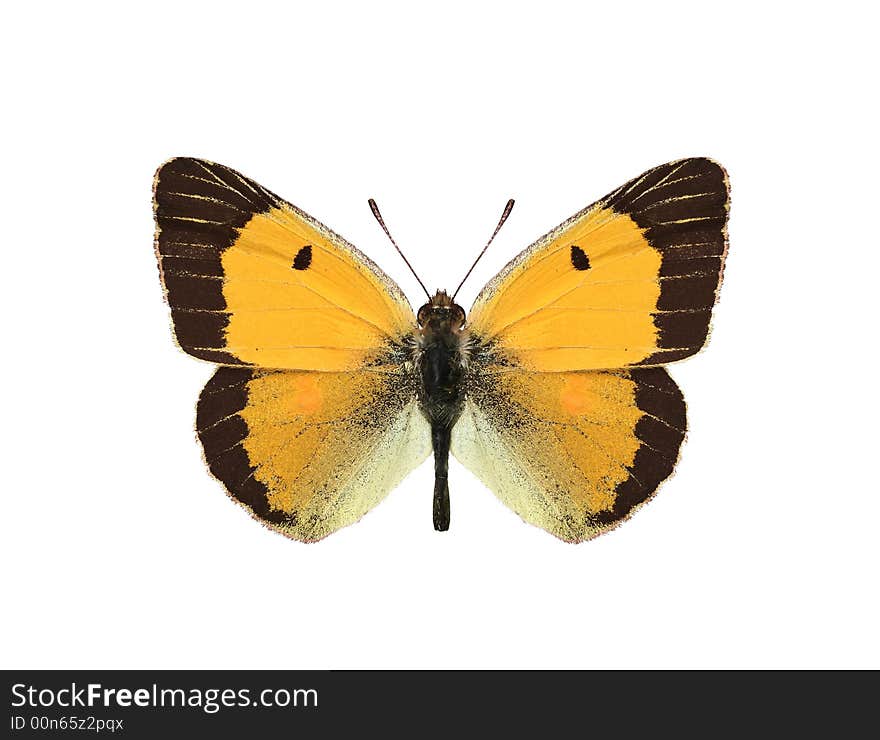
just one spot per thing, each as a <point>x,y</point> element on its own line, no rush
<point>309,453</point>
<point>573,453</point>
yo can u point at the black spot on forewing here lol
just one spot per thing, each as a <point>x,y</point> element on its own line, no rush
<point>303,258</point>
<point>579,259</point>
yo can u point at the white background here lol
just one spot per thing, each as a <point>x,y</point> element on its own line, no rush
<point>120,551</point>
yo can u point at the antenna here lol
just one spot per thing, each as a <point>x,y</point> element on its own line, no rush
<point>507,209</point>
<point>375,209</point>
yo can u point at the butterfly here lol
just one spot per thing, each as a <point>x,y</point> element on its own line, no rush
<point>331,390</point>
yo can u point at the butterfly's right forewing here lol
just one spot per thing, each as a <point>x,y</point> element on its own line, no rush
<point>630,280</point>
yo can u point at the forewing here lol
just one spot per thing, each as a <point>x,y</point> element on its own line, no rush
<point>630,280</point>
<point>252,280</point>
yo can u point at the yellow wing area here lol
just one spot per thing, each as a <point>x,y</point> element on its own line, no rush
<point>629,280</point>
<point>574,453</point>
<point>308,453</point>
<point>252,280</point>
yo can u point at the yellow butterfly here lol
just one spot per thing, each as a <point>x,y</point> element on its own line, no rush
<point>331,390</point>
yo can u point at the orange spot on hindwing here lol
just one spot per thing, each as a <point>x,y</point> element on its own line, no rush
<point>575,396</point>
<point>306,397</point>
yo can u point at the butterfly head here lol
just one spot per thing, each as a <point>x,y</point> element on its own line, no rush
<point>441,312</point>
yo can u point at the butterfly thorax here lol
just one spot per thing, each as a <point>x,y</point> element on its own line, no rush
<point>440,360</point>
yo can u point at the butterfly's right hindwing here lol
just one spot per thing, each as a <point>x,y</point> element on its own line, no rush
<point>573,453</point>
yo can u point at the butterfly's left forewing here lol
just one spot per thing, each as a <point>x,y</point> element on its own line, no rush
<point>252,280</point>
